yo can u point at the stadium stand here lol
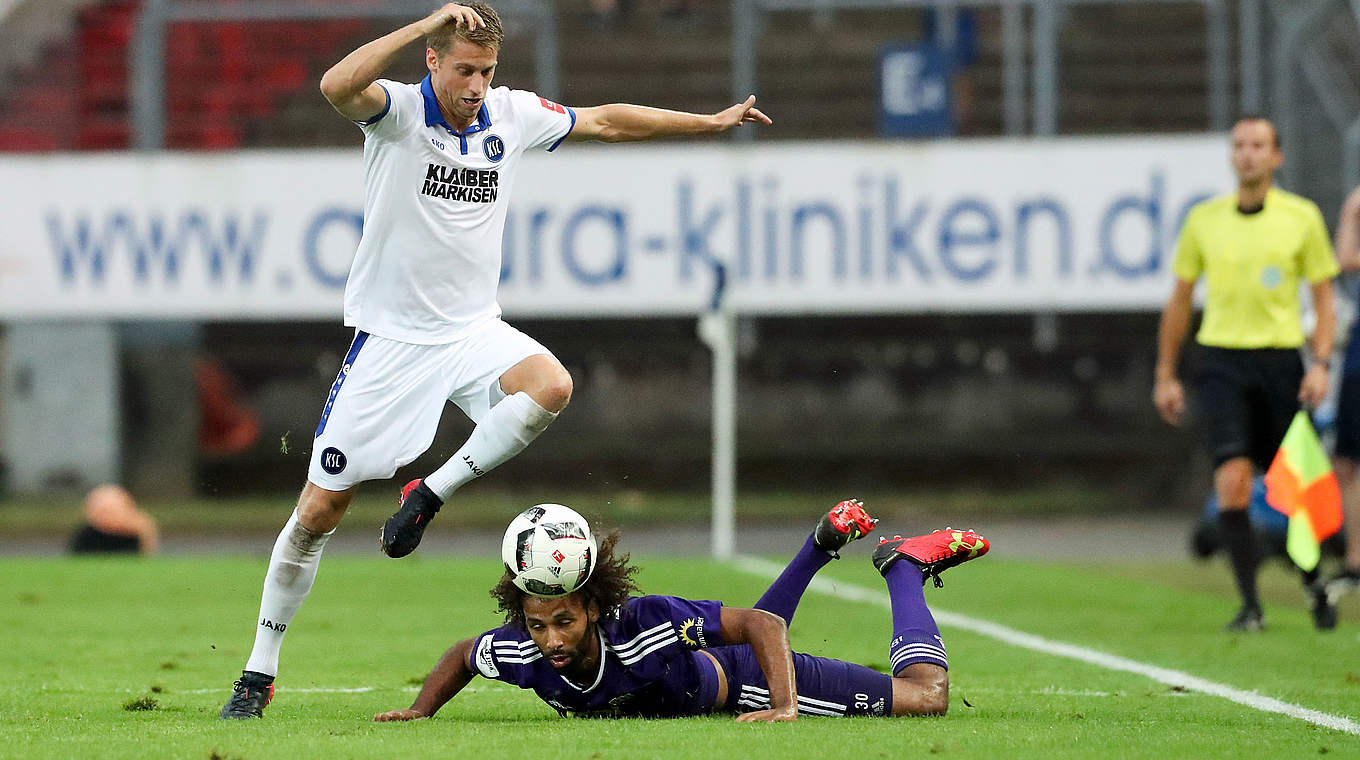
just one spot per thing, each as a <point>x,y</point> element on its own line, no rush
<point>1131,68</point>
<point>975,382</point>
<point>224,81</point>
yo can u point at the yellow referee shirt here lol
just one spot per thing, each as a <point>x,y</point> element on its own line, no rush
<point>1252,265</point>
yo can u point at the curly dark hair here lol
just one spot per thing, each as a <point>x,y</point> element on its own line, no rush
<point>609,586</point>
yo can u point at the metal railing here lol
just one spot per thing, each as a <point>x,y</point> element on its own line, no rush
<point>1274,42</point>
<point>747,18</point>
<point>1313,97</point>
<point>147,72</point>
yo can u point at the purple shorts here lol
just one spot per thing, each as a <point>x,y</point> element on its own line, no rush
<point>825,686</point>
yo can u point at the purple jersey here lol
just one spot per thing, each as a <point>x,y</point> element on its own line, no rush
<point>648,664</point>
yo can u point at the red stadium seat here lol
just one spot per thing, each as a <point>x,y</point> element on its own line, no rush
<point>205,136</point>
<point>103,133</point>
<point>223,80</point>
<point>44,103</point>
<point>24,139</point>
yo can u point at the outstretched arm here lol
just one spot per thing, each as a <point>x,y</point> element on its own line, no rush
<point>621,122</point>
<point>448,678</point>
<point>349,84</point>
<point>769,639</point>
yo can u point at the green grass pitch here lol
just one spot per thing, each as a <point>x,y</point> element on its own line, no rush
<point>132,658</point>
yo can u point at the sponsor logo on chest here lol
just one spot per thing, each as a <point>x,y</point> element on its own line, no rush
<point>456,183</point>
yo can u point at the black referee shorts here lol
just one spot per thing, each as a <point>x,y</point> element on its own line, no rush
<point>1247,398</point>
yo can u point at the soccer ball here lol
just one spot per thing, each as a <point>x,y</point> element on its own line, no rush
<point>548,550</point>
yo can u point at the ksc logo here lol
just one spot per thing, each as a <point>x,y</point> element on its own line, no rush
<point>333,460</point>
<point>493,147</point>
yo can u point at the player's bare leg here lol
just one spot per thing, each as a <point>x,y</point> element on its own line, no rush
<point>920,689</point>
<point>536,389</point>
<point>292,570</point>
<point>320,509</point>
<point>542,377</point>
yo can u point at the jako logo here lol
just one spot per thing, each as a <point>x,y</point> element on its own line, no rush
<point>473,466</point>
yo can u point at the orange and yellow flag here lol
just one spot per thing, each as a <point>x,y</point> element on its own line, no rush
<point>1300,484</point>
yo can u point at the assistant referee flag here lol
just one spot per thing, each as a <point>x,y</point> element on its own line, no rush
<point>1300,483</point>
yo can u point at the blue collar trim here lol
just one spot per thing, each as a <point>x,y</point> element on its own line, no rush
<point>435,117</point>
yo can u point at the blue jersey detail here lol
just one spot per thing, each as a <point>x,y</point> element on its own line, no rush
<point>387,106</point>
<point>358,343</point>
<point>493,147</point>
<point>572,113</point>
<point>435,117</point>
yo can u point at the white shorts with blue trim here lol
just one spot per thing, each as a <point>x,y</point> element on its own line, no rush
<point>384,407</point>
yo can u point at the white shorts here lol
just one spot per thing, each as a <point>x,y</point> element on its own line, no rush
<point>385,404</point>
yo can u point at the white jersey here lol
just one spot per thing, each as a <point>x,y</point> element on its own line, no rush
<point>435,201</point>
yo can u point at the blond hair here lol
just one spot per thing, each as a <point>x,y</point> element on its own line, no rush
<point>489,36</point>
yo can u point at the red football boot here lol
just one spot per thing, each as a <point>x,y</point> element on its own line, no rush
<point>933,553</point>
<point>845,522</point>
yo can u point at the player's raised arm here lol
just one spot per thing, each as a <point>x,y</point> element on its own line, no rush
<point>448,678</point>
<point>622,122</point>
<point>768,636</point>
<point>349,84</point>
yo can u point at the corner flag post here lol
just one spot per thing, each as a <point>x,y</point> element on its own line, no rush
<point>718,330</point>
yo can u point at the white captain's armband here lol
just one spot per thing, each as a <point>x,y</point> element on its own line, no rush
<point>483,659</point>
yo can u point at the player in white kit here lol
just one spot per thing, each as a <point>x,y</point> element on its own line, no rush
<point>440,159</point>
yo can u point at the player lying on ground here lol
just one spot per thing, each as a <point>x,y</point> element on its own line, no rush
<point>599,652</point>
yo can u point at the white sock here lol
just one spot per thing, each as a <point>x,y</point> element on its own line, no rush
<point>505,431</point>
<point>292,568</point>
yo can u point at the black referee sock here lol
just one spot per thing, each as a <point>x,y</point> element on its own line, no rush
<point>1309,577</point>
<point>1241,542</point>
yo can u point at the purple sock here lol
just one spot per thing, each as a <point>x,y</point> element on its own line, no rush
<point>781,598</point>
<point>916,637</point>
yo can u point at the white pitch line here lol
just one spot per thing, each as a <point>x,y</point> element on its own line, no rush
<point>757,566</point>
<point>317,690</point>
